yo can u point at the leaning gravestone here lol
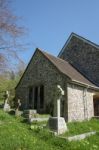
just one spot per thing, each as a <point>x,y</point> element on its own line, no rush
<point>6,105</point>
<point>58,124</point>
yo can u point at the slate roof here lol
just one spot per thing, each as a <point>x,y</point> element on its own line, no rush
<point>79,37</point>
<point>83,55</point>
<point>67,69</point>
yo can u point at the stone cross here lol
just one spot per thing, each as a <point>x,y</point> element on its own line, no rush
<point>58,124</point>
<point>58,108</point>
<point>58,100</point>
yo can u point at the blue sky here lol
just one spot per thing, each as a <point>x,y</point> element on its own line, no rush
<point>50,22</point>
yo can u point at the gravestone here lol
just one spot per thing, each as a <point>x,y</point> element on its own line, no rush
<point>58,124</point>
<point>18,104</point>
<point>6,105</point>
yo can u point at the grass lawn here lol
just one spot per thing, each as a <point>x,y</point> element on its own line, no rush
<point>17,135</point>
<point>82,127</point>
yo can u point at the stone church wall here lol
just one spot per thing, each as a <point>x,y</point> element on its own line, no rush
<point>80,103</point>
<point>84,57</point>
<point>41,72</point>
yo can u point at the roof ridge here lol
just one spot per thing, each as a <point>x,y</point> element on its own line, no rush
<point>56,57</point>
<point>79,37</point>
<point>87,40</point>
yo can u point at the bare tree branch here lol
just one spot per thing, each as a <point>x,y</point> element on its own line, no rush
<point>10,32</point>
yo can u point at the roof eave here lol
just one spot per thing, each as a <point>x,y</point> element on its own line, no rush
<point>86,85</point>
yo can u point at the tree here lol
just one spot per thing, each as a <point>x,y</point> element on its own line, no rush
<point>20,69</point>
<point>10,32</point>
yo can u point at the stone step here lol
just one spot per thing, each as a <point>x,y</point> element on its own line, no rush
<point>38,119</point>
<point>29,112</point>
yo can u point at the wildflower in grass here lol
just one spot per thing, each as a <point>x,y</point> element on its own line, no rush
<point>34,141</point>
<point>95,146</point>
<point>86,142</point>
<point>90,129</point>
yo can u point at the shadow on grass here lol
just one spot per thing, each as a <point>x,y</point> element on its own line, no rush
<point>12,112</point>
<point>1,106</point>
<point>24,120</point>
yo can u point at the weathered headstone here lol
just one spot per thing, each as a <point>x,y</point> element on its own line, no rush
<point>18,104</point>
<point>6,105</point>
<point>58,124</point>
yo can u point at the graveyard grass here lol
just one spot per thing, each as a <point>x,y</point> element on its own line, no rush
<point>15,134</point>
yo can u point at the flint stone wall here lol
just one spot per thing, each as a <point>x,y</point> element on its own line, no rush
<point>84,57</point>
<point>42,72</point>
<point>80,103</point>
